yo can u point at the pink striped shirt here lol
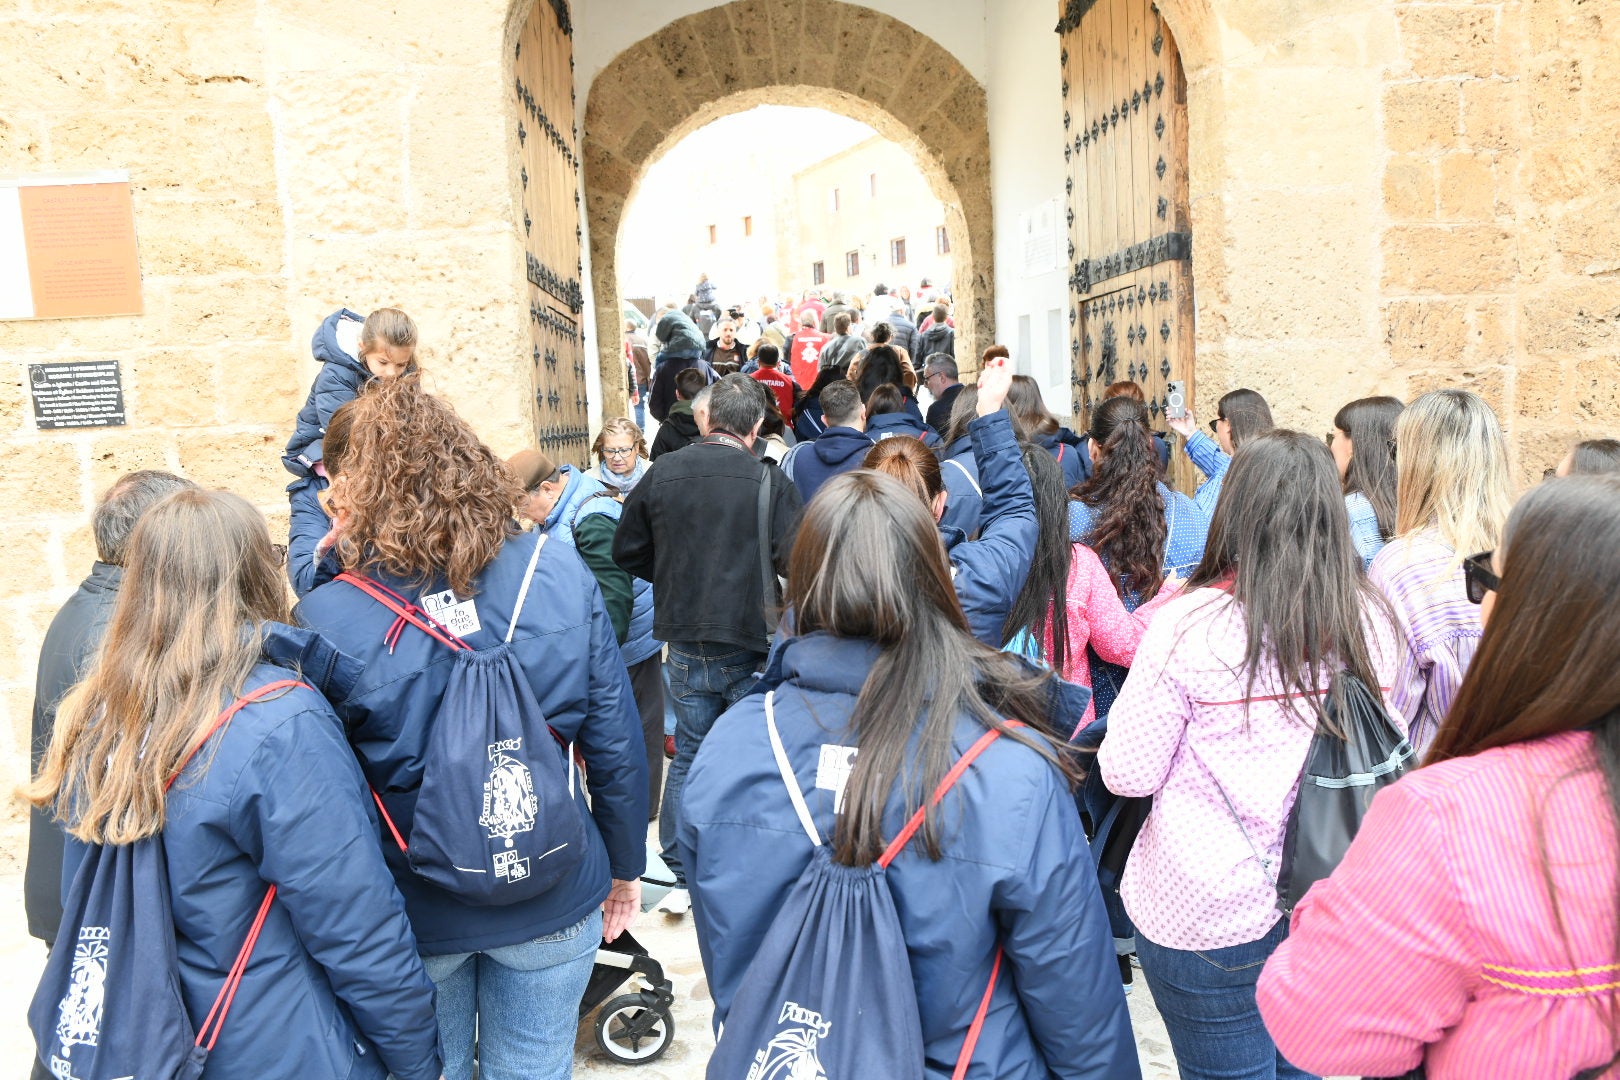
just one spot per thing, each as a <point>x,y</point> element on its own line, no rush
<point>1436,938</point>
<point>1178,730</point>
<point>1423,579</point>
<point>1097,617</point>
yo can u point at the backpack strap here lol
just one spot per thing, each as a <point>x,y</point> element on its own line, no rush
<point>214,1023</point>
<point>899,842</point>
<point>791,782</point>
<point>406,611</point>
<point>523,590</point>
<point>767,571</point>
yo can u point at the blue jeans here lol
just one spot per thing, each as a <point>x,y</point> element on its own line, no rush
<point>1207,1002</point>
<point>704,681</point>
<point>519,1003</point>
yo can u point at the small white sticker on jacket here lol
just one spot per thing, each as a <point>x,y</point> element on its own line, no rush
<point>832,771</point>
<point>460,617</point>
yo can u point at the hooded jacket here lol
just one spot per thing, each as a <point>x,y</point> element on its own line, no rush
<point>838,450</point>
<point>1071,452</point>
<point>307,525</point>
<point>335,990</point>
<point>74,635</point>
<point>901,424</point>
<point>1014,875</point>
<point>938,338</point>
<point>681,345</point>
<point>341,376</point>
<point>989,572</point>
<point>679,428</point>
<point>585,517</point>
<point>567,649</point>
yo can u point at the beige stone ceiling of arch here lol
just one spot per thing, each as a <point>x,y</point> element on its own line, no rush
<point>725,59</point>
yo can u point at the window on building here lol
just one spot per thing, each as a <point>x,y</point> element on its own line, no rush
<point>897,251</point>
<point>871,181</point>
<point>942,241</point>
<point>714,234</point>
<point>832,201</point>
<point>852,264</point>
<point>818,273</point>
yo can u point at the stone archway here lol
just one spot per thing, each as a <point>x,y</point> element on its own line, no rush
<point>823,54</point>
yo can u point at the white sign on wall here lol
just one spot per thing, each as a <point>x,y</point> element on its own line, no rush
<point>1041,232</point>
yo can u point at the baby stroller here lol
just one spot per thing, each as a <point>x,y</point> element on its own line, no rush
<point>633,1028</point>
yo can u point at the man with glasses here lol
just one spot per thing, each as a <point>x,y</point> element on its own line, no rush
<point>940,380</point>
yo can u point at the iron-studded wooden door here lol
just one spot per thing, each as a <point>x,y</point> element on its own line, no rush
<point>549,172</point>
<point>1130,243</point>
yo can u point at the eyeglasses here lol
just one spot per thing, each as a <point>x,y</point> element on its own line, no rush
<point>1215,421</point>
<point>1479,578</point>
<point>617,451</point>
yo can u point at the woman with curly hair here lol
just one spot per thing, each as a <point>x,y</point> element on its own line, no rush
<point>425,510</point>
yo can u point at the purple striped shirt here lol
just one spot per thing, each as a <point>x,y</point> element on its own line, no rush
<point>1423,579</point>
<point>1436,939</point>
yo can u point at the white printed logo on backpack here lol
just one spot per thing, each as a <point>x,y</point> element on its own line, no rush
<point>460,617</point>
<point>79,1016</point>
<point>793,1054</point>
<point>510,806</point>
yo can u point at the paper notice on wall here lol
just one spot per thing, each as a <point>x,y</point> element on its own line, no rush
<point>1038,231</point>
<point>67,247</point>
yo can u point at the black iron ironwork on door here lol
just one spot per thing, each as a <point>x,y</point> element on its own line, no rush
<point>543,85</point>
<point>1130,239</point>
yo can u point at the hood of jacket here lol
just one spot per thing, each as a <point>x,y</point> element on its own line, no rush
<point>679,336</point>
<point>337,341</point>
<point>317,660</point>
<point>681,419</point>
<point>837,445</point>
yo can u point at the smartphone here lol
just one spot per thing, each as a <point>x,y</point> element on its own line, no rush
<point>1175,401</point>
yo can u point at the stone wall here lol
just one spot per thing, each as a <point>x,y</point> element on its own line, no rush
<point>286,157</point>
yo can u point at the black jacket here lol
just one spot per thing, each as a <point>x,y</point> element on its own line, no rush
<point>662,395</point>
<point>72,639</point>
<point>691,528</point>
<point>678,429</point>
<point>906,338</point>
<point>938,338</point>
<point>939,413</point>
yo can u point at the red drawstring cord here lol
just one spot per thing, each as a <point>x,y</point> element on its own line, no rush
<point>406,612</point>
<point>233,979</point>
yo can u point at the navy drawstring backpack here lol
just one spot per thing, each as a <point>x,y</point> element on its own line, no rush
<point>829,994</point>
<point>108,1006</point>
<point>495,821</point>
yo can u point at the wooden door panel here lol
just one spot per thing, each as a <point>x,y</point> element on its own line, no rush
<point>549,173</point>
<point>1131,300</point>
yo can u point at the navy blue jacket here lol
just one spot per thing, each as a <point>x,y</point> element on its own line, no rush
<point>964,498</point>
<point>1015,873</point>
<point>335,990</point>
<point>838,450</point>
<point>339,380</point>
<point>307,523</point>
<point>905,424</point>
<point>989,572</point>
<point>810,421</point>
<point>1071,452</point>
<point>566,646</point>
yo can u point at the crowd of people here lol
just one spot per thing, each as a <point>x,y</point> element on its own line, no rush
<point>975,717</point>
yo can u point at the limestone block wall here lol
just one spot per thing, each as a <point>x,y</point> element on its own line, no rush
<point>286,157</point>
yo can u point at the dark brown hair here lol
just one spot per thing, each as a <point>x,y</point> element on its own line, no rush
<point>1130,531</point>
<point>868,564</point>
<point>1280,541</point>
<point>885,399</point>
<point>1595,457</point>
<point>1249,416</point>
<point>426,498</point>
<point>1041,606</point>
<point>1025,404</point>
<point>1369,423</point>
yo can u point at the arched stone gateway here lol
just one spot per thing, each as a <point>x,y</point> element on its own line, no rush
<point>823,54</point>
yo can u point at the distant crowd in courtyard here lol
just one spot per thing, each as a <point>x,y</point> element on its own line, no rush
<point>953,719</point>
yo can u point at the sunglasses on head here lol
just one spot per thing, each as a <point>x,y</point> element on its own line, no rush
<point>1479,578</point>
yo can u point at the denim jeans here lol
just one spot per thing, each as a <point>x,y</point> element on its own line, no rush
<point>519,1003</point>
<point>1207,1002</point>
<point>704,681</point>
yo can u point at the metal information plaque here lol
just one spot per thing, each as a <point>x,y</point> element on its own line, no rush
<point>81,394</point>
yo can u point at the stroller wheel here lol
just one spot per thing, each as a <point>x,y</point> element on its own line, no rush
<point>631,1032</point>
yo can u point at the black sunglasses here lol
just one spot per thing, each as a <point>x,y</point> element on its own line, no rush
<point>1215,421</point>
<point>1479,578</point>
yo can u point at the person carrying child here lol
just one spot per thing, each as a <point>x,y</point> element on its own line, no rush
<point>352,352</point>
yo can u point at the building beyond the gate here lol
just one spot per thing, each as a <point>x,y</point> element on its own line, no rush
<point>1381,196</point>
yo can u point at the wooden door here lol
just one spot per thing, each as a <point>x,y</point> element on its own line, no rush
<point>1130,239</point>
<point>549,173</point>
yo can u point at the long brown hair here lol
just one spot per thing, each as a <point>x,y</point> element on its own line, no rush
<point>1369,424</point>
<point>1280,540</point>
<point>1129,534</point>
<point>425,497</point>
<point>1028,407</point>
<point>1041,606</point>
<point>200,581</point>
<point>868,564</point>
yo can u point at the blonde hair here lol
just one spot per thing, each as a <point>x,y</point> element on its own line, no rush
<point>622,425</point>
<point>1451,471</point>
<point>388,327</point>
<point>201,580</point>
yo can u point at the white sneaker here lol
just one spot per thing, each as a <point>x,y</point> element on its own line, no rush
<point>675,902</point>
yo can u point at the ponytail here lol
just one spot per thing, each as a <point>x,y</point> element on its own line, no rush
<point>1130,532</point>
